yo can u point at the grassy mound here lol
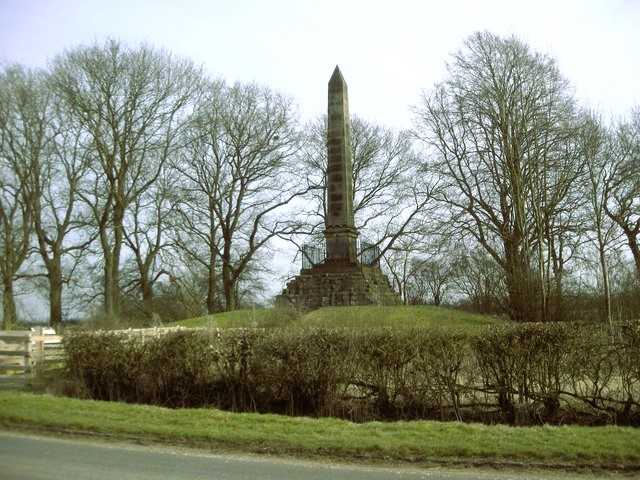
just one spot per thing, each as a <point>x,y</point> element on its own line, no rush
<point>353,317</point>
<point>398,316</point>
<point>252,318</point>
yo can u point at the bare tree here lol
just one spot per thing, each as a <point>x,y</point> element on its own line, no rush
<point>397,262</point>
<point>23,139</point>
<point>240,173</point>
<point>555,200</point>
<point>130,105</point>
<point>60,220</point>
<point>500,128</point>
<point>623,186</point>
<point>430,279</point>
<point>194,226</point>
<point>145,234</point>
<point>593,141</point>
<point>480,279</point>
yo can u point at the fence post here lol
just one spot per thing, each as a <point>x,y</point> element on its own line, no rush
<point>37,360</point>
<point>26,357</point>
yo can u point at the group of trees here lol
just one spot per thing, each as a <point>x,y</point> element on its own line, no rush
<point>126,167</point>
<point>131,170</point>
<point>527,175</point>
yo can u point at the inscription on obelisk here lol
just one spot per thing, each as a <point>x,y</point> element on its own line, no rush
<point>340,232</point>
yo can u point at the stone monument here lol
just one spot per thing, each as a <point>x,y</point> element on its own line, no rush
<point>340,233</point>
<point>339,276</point>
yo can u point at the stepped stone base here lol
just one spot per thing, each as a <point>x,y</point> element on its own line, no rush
<point>338,284</point>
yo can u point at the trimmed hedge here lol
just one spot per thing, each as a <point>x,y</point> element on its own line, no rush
<point>518,374</point>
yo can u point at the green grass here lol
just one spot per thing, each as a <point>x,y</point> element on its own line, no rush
<point>355,317</point>
<point>401,316</point>
<point>420,442</point>
<point>259,317</point>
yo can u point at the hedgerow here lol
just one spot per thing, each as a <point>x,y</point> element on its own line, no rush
<point>518,374</point>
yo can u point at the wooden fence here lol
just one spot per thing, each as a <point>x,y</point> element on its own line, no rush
<point>27,356</point>
<point>144,332</point>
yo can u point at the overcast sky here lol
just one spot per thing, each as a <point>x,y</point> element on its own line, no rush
<point>388,51</point>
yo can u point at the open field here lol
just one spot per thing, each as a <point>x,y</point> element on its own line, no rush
<point>419,443</point>
<point>357,317</point>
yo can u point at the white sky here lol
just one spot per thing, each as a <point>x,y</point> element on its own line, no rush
<point>388,51</point>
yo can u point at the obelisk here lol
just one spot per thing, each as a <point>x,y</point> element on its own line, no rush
<point>339,279</point>
<point>340,232</point>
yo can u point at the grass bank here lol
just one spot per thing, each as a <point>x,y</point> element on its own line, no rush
<point>355,317</point>
<point>422,443</point>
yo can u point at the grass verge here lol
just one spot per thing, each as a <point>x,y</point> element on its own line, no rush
<point>422,442</point>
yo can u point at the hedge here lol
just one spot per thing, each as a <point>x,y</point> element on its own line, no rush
<point>518,374</point>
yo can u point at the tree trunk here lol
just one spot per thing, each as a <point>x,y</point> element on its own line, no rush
<point>519,287</point>
<point>559,310</point>
<point>519,309</point>
<point>8,304</point>
<point>230,295</point>
<point>108,287</point>
<point>605,280</point>
<point>212,291</point>
<point>632,238</point>
<point>557,262</point>
<point>437,300</point>
<point>111,290</point>
<point>212,287</point>
<point>55,293</point>
<point>146,289</point>
<point>112,265</point>
<point>230,286</point>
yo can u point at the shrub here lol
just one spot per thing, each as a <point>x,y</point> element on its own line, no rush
<point>514,373</point>
<point>105,366</point>
<point>522,365</point>
<point>300,372</point>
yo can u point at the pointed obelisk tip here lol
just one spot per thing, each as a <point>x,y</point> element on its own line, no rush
<point>337,76</point>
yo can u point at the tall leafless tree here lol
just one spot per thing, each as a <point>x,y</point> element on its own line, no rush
<point>623,186</point>
<point>23,138</point>
<point>594,141</point>
<point>145,234</point>
<point>130,104</point>
<point>499,128</point>
<point>480,280</point>
<point>431,278</point>
<point>61,223</point>
<point>240,173</point>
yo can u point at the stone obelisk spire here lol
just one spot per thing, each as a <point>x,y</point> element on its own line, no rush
<point>340,232</point>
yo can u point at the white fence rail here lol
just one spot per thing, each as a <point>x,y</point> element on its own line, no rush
<point>25,356</point>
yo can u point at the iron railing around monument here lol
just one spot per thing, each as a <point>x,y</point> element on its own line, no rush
<point>312,255</point>
<point>369,254</point>
<point>315,254</point>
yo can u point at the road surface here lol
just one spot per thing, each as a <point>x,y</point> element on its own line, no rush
<point>31,457</point>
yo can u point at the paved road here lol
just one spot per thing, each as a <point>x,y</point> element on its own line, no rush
<point>30,457</point>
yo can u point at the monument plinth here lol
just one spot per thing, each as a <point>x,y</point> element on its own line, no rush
<point>339,278</point>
